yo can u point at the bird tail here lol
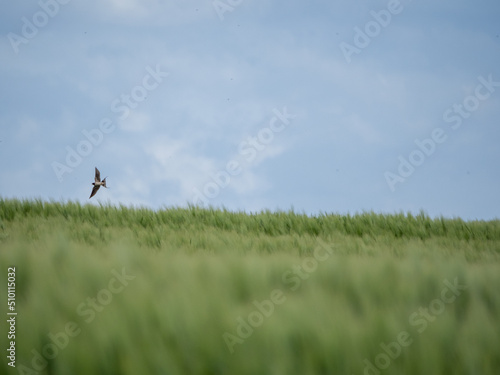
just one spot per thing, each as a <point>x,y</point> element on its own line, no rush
<point>104,182</point>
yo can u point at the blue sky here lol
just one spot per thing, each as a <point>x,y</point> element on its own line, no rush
<point>323,106</point>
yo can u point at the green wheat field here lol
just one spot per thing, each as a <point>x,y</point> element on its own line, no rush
<point>122,290</point>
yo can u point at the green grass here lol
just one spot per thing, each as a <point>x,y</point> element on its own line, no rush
<point>333,290</point>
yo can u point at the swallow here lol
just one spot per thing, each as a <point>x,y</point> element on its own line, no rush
<point>98,183</point>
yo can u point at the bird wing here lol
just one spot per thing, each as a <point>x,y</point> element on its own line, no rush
<point>94,190</point>
<point>97,175</point>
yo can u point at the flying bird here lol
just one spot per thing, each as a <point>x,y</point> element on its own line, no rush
<point>98,183</point>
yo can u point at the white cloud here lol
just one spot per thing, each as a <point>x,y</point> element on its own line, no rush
<point>174,161</point>
<point>148,12</point>
<point>365,130</point>
<point>27,128</point>
<point>135,122</point>
<point>249,182</point>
